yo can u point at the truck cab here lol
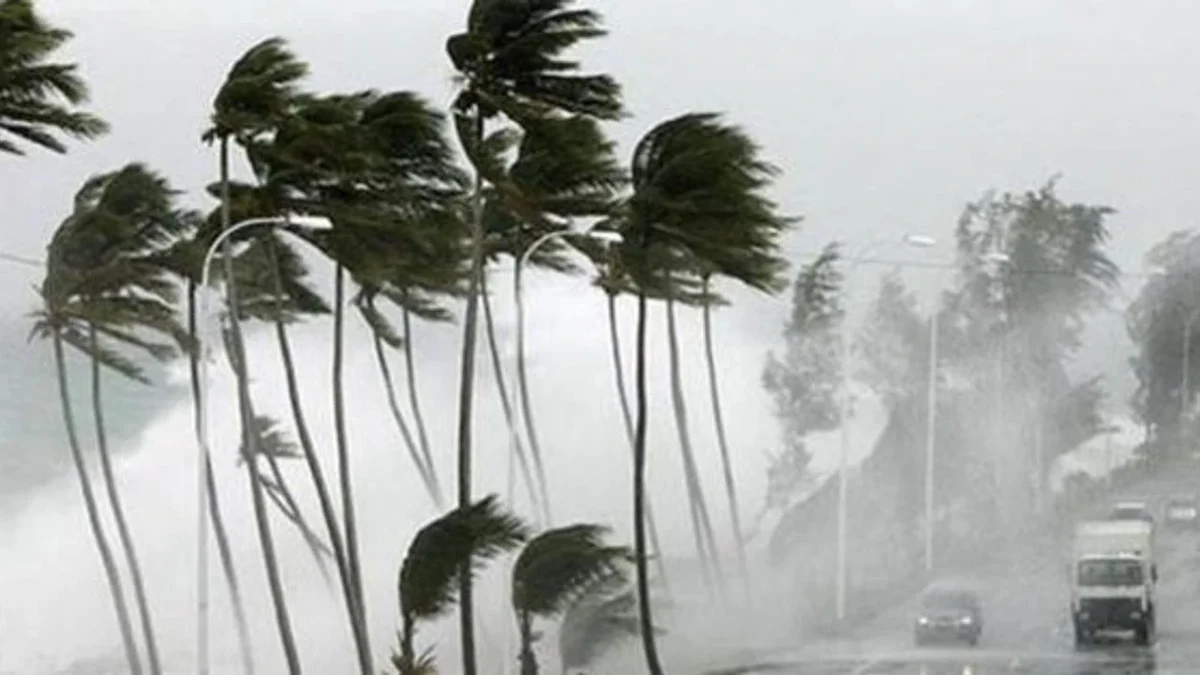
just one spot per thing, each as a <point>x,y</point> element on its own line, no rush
<point>1113,579</point>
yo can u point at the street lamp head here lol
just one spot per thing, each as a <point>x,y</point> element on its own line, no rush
<point>605,236</point>
<point>919,240</point>
<point>311,222</point>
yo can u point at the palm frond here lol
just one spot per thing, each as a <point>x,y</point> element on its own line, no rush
<point>258,90</point>
<point>699,193</point>
<point>512,59</point>
<point>467,537</point>
<point>38,98</point>
<point>272,440</point>
<point>558,565</point>
<point>424,664</point>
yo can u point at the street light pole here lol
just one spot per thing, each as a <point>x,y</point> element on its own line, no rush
<point>931,436</point>
<point>202,593</point>
<point>844,417</point>
<point>519,302</point>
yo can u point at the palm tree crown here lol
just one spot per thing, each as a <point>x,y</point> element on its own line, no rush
<point>38,98</point>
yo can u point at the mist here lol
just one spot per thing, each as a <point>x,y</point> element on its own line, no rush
<point>885,116</point>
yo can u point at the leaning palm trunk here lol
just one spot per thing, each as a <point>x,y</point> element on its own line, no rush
<point>324,501</point>
<point>466,398</point>
<point>627,417</point>
<point>701,523</point>
<point>414,451</point>
<point>527,658</point>
<point>645,617</point>
<point>535,448</point>
<point>118,511</point>
<point>250,438</point>
<point>350,525</point>
<point>89,502</point>
<point>414,400</point>
<point>214,506</point>
<point>722,444</point>
<point>514,436</point>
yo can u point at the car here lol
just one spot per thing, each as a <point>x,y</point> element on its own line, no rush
<point>949,612</point>
<point>1181,511</point>
<point>1131,510</point>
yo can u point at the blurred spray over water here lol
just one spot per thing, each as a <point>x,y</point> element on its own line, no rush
<point>57,612</point>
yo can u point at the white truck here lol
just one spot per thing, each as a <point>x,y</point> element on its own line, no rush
<point>1113,578</point>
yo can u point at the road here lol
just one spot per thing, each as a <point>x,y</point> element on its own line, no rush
<point>1026,623</point>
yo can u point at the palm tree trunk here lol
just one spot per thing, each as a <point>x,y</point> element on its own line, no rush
<point>535,448</point>
<point>466,395</point>
<point>89,502</point>
<point>250,438</point>
<point>114,502</point>
<point>528,659</point>
<point>281,494</point>
<point>408,655</point>
<point>414,400</point>
<point>627,416</point>
<point>414,452</point>
<point>701,523</point>
<point>349,523</point>
<point>515,446</point>
<point>645,617</point>
<point>214,507</point>
<point>722,443</point>
<point>313,462</point>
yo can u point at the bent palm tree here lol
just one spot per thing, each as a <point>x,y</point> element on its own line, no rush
<point>697,189</point>
<point>431,574</point>
<point>565,170</point>
<point>104,279</point>
<point>259,89</point>
<point>555,570</point>
<point>510,58</point>
<point>38,98</point>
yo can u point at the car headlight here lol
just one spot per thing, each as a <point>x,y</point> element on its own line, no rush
<point>966,620</point>
<point>923,621</point>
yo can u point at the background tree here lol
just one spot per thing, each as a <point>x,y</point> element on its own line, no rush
<point>39,98</point>
<point>1013,325</point>
<point>895,356</point>
<point>512,66</point>
<point>803,381</point>
<point>430,576</point>
<point>1162,322</point>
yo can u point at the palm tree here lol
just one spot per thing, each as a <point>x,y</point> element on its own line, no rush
<point>603,616</point>
<point>555,570</point>
<point>702,528</point>
<point>609,279</point>
<point>565,170</point>
<point>39,99</point>
<point>510,59</point>
<point>259,89</point>
<point>384,335</point>
<point>430,576</point>
<point>516,447</point>
<point>719,424</point>
<point>104,281</point>
<point>697,195</point>
<point>379,168</point>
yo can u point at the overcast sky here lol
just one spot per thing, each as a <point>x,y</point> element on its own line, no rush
<point>885,115</point>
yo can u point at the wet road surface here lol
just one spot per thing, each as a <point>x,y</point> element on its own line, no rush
<point>1026,627</point>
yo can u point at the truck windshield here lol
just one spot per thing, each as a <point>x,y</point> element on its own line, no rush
<point>1110,573</point>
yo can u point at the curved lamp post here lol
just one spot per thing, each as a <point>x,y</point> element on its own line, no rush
<point>202,665</point>
<point>603,236</point>
<point>844,414</point>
